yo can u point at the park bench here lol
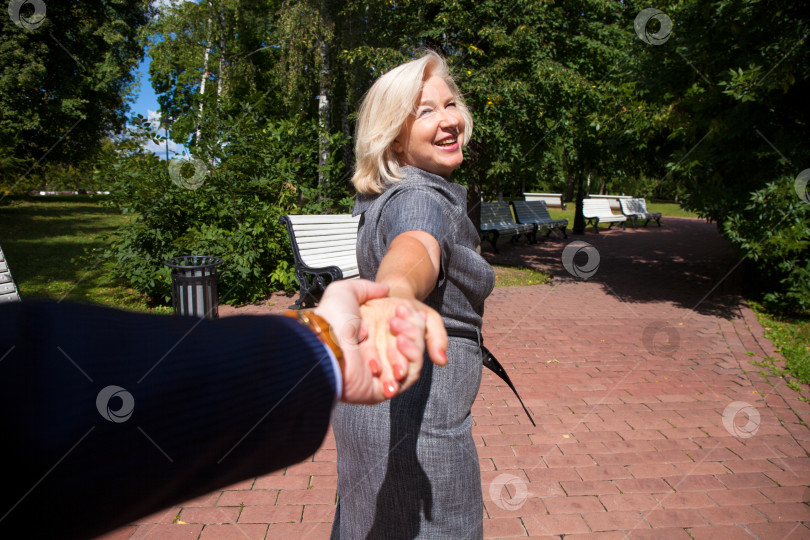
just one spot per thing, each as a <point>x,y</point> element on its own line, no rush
<point>324,249</point>
<point>497,220</point>
<point>612,199</point>
<point>597,211</point>
<point>552,200</point>
<point>8,290</point>
<point>636,209</point>
<point>536,213</point>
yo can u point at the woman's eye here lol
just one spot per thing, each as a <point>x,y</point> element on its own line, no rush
<point>451,104</point>
<point>424,112</point>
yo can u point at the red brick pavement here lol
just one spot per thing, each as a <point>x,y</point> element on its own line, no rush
<point>628,374</point>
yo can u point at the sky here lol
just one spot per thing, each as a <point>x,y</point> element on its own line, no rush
<point>147,105</point>
<point>146,102</point>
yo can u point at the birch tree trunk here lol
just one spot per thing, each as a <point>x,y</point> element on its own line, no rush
<point>206,70</point>
<point>222,45</point>
<point>323,96</point>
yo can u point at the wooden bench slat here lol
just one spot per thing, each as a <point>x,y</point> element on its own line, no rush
<point>7,288</point>
<point>340,219</point>
<point>319,227</point>
<point>311,236</point>
<point>328,260</point>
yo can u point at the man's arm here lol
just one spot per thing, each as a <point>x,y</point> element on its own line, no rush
<point>109,415</point>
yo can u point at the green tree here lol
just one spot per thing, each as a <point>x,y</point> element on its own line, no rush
<point>731,85</point>
<point>65,80</point>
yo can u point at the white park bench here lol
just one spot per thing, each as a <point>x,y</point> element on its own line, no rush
<point>612,199</point>
<point>8,290</point>
<point>598,211</point>
<point>497,220</point>
<point>636,209</point>
<point>324,249</point>
<point>552,200</point>
<point>536,213</point>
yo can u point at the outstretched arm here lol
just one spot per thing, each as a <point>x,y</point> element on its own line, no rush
<point>410,269</point>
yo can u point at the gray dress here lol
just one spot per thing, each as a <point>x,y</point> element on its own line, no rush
<point>408,468</point>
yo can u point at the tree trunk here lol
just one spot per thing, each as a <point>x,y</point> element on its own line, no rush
<point>570,179</point>
<point>206,71</point>
<point>222,44</point>
<point>324,94</point>
<point>579,217</point>
<point>348,150</point>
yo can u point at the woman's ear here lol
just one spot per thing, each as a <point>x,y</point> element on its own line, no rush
<point>396,146</point>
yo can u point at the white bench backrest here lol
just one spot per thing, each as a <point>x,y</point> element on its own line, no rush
<point>613,199</point>
<point>642,204</point>
<point>629,206</point>
<point>8,291</point>
<point>327,240</point>
<point>596,208</point>
<point>552,200</point>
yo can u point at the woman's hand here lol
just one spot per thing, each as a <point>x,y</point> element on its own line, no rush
<point>398,331</point>
<point>368,375</point>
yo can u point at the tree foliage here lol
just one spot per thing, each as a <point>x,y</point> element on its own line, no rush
<point>65,80</point>
<point>711,112</point>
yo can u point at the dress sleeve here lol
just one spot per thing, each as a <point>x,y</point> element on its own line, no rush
<point>419,209</point>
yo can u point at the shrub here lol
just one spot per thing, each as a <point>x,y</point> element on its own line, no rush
<point>773,231</point>
<point>233,214</point>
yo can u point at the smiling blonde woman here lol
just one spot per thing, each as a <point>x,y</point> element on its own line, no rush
<point>409,468</point>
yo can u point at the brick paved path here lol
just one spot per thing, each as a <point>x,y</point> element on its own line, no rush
<point>634,377</point>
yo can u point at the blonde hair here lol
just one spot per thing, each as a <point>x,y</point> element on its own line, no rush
<point>383,113</point>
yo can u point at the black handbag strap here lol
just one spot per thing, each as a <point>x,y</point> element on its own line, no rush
<point>492,363</point>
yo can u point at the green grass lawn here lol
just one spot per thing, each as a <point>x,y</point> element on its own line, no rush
<point>791,335</point>
<point>517,276</point>
<point>667,209</point>
<point>45,240</point>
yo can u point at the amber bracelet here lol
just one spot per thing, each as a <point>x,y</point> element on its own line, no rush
<point>322,329</point>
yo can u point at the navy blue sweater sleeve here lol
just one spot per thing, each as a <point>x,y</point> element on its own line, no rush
<point>108,416</point>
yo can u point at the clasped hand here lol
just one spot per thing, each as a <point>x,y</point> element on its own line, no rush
<point>383,339</point>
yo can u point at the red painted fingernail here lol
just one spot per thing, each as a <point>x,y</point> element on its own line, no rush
<point>390,388</point>
<point>399,372</point>
<point>374,366</point>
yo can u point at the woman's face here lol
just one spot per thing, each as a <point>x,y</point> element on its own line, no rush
<point>432,138</point>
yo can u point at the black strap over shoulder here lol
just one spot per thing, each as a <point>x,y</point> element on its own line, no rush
<point>492,363</point>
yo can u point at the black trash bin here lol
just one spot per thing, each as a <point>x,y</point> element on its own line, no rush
<point>194,285</point>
